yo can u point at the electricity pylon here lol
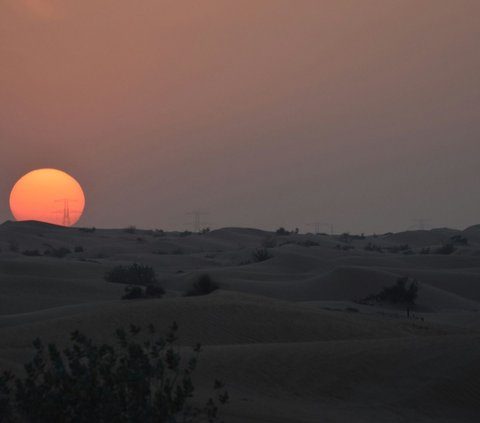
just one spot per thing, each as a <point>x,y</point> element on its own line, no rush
<point>318,225</point>
<point>421,223</point>
<point>197,223</point>
<point>66,221</point>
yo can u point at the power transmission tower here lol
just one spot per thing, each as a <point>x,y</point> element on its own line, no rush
<point>318,225</point>
<point>197,224</point>
<point>66,212</point>
<point>422,223</point>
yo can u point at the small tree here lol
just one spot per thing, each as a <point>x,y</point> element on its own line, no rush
<point>400,293</point>
<point>138,380</point>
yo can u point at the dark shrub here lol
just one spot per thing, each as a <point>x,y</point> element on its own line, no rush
<point>282,231</point>
<point>445,249</point>
<point>400,293</point>
<point>59,252</point>
<point>133,292</point>
<point>261,254</point>
<point>135,274</point>
<point>154,291</point>
<point>31,253</point>
<point>373,247</point>
<point>203,286</point>
<point>78,249</point>
<point>139,379</point>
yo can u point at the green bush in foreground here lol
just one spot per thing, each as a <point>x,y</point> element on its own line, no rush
<point>141,380</point>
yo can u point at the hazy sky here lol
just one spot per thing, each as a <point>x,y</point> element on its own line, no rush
<point>365,114</point>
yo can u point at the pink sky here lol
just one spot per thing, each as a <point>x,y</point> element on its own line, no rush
<point>262,113</point>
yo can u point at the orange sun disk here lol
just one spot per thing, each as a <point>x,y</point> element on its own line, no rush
<point>47,195</point>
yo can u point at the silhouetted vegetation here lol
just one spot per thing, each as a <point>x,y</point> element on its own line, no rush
<point>57,252</point>
<point>154,291</point>
<point>373,247</point>
<point>31,253</point>
<point>204,231</point>
<point>203,286</point>
<point>135,291</point>
<point>282,231</point>
<point>139,379</point>
<point>344,247</point>
<point>134,274</point>
<point>445,249</point>
<point>78,249</point>
<point>404,292</point>
<point>185,233</point>
<point>261,254</point>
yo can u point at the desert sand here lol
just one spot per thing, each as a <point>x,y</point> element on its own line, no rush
<point>289,335</point>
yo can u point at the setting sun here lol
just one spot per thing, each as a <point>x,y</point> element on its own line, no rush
<point>47,195</point>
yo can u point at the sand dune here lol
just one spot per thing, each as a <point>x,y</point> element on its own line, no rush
<point>285,334</point>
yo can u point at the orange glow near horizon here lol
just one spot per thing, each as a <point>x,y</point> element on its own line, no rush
<point>47,195</point>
